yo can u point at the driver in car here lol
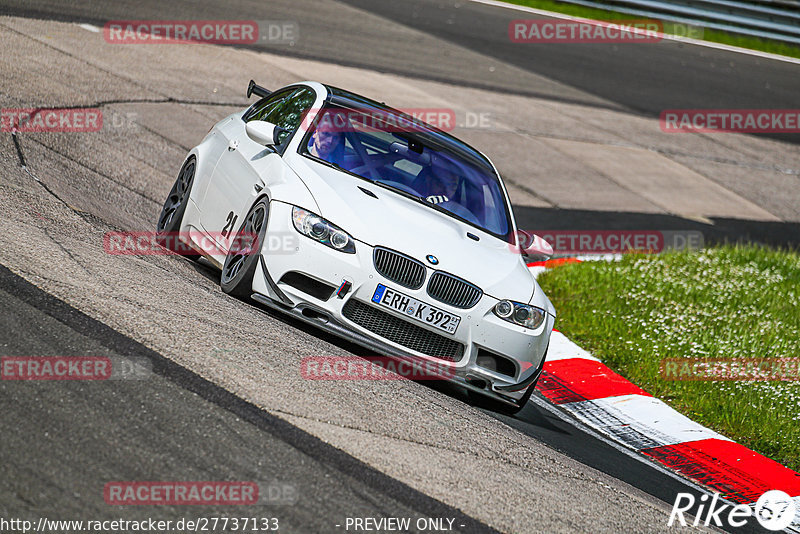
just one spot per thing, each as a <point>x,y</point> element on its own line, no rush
<point>327,141</point>
<point>442,186</point>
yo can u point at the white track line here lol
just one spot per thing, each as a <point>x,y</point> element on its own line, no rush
<point>89,27</point>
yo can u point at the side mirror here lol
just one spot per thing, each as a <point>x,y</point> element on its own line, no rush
<point>261,132</point>
<point>533,246</point>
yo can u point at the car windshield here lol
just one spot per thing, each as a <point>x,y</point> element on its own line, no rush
<point>395,151</point>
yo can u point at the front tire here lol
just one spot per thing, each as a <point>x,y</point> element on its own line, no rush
<point>171,218</point>
<point>242,259</point>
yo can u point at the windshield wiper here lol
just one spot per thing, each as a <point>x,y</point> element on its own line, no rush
<point>326,162</point>
<point>403,192</point>
<point>424,201</point>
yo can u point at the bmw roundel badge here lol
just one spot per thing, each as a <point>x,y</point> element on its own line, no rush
<point>432,259</point>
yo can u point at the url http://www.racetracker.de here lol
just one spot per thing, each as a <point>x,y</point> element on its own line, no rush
<point>154,526</point>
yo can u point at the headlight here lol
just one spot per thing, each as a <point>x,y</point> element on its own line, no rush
<point>504,309</point>
<point>521,314</point>
<point>319,229</point>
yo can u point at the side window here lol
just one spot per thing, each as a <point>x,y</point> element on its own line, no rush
<point>264,107</point>
<point>285,109</point>
<point>290,113</point>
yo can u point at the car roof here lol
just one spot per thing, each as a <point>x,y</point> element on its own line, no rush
<point>431,134</point>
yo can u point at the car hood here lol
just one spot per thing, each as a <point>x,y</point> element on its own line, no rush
<point>396,222</point>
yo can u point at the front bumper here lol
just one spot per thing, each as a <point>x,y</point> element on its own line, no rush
<point>484,336</point>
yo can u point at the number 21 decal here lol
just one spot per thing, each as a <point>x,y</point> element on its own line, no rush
<point>230,221</point>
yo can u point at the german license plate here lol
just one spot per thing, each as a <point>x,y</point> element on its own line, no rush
<point>415,309</point>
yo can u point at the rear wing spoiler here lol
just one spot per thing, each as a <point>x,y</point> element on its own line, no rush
<point>253,89</point>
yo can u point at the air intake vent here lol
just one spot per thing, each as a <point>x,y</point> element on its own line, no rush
<point>453,290</point>
<point>495,362</point>
<point>399,268</point>
<point>308,285</point>
<point>402,332</point>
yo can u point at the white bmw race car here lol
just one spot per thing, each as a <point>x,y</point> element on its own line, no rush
<point>369,224</point>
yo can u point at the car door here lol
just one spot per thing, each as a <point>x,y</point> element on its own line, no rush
<point>244,169</point>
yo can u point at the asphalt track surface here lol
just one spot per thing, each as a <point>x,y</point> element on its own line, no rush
<point>59,448</point>
<point>60,445</point>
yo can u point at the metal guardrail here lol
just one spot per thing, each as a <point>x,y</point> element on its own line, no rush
<point>769,19</point>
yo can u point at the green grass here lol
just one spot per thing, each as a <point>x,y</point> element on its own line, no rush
<point>726,302</point>
<point>716,36</point>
